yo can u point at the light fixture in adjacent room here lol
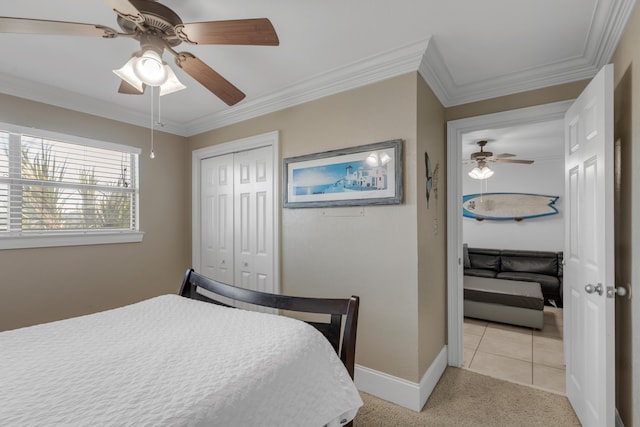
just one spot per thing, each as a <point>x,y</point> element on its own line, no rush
<point>482,171</point>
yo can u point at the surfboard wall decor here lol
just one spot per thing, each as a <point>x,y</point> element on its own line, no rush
<point>508,206</point>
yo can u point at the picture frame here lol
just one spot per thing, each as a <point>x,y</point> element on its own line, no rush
<point>364,175</point>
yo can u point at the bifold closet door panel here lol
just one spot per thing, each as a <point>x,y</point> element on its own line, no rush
<point>217,224</point>
<point>254,219</point>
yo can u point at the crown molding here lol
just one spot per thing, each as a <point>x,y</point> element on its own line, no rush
<point>375,68</point>
<point>607,26</point>
<point>75,101</point>
<point>437,75</point>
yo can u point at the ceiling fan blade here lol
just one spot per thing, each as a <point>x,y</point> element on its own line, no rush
<point>125,9</point>
<point>128,89</point>
<point>238,32</point>
<point>527,162</point>
<point>210,79</point>
<point>498,156</point>
<point>40,26</point>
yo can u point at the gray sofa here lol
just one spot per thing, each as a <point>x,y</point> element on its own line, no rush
<point>543,267</point>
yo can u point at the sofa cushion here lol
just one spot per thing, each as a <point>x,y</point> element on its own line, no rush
<point>486,261</point>
<point>530,261</point>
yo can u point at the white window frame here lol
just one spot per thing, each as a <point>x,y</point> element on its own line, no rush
<point>72,238</point>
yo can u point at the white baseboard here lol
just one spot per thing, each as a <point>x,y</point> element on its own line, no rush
<point>400,391</point>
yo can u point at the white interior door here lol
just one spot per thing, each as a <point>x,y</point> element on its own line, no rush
<point>589,253</point>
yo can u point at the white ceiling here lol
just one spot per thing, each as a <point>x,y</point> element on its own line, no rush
<point>467,50</point>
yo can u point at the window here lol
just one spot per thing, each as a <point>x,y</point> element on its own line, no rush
<point>59,190</point>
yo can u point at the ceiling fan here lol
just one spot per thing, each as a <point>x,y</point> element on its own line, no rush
<point>482,157</point>
<point>157,28</point>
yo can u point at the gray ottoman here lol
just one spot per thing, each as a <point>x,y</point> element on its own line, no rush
<point>506,301</point>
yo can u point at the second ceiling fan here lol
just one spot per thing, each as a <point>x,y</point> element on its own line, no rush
<point>481,158</point>
<point>158,29</point>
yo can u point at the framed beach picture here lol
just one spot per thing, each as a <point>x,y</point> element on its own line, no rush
<point>364,175</point>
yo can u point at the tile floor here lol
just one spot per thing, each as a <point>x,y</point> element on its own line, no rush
<point>513,353</point>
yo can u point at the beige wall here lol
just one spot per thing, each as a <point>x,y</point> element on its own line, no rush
<point>45,284</point>
<point>519,100</point>
<point>626,62</point>
<point>432,227</point>
<point>329,252</point>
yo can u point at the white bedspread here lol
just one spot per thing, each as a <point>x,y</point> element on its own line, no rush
<point>172,361</point>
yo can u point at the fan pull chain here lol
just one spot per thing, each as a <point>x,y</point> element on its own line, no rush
<point>159,122</point>
<point>152,155</point>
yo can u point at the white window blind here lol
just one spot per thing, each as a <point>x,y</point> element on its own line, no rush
<point>57,185</point>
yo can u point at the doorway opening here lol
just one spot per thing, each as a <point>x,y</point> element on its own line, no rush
<point>511,352</point>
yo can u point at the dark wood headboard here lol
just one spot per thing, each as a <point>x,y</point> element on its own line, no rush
<point>342,340</point>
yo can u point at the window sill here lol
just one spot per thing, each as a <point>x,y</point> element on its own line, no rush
<point>68,239</point>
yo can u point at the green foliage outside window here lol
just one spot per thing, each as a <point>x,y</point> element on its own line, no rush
<point>41,207</point>
<point>105,209</point>
<point>47,206</point>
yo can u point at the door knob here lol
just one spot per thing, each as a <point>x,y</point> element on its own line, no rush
<point>594,288</point>
<point>613,291</point>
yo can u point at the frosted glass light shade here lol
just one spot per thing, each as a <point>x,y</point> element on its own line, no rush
<point>126,73</point>
<point>172,84</point>
<point>150,69</point>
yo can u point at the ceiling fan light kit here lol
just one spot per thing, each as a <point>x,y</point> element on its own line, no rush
<point>481,173</point>
<point>149,70</point>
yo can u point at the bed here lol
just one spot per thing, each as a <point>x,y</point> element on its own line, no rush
<point>178,360</point>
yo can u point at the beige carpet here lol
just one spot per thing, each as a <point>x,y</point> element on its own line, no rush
<point>465,398</point>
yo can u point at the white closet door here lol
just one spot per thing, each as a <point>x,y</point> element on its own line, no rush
<point>236,211</point>
<point>217,198</point>
<point>253,217</point>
